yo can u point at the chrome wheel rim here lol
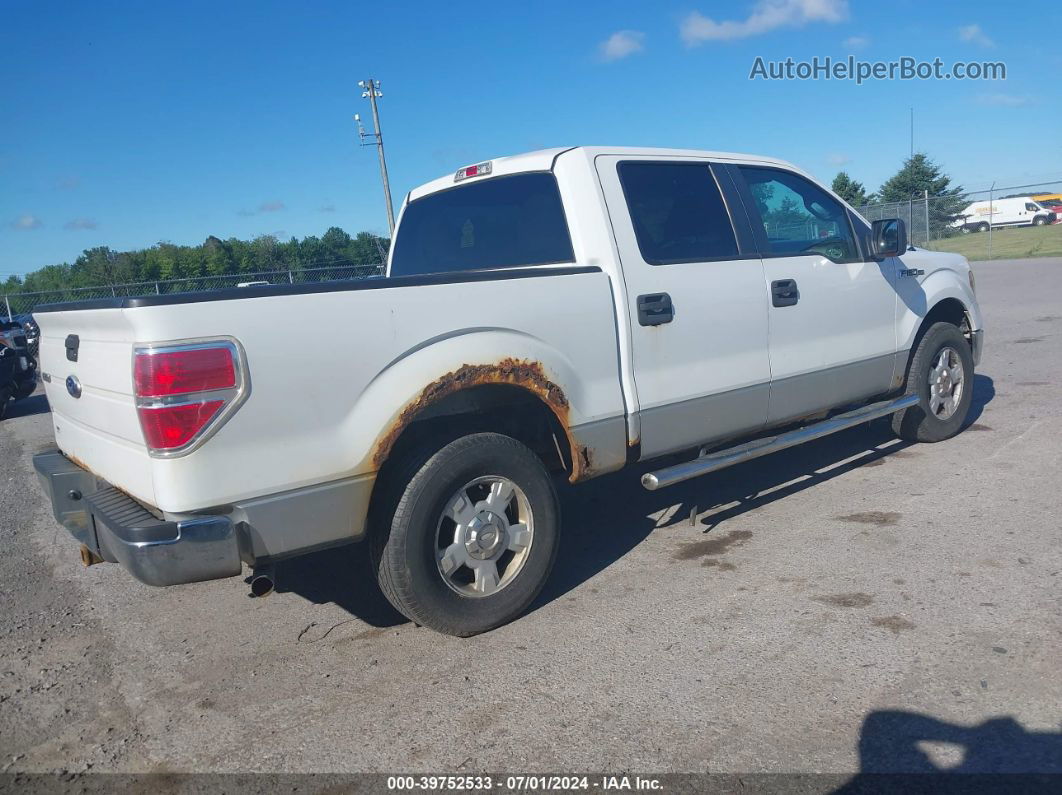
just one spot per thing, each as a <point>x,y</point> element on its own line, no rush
<point>484,536</point>
<point>947,380</point>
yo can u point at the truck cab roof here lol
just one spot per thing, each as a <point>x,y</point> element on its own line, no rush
<point>544,160</point>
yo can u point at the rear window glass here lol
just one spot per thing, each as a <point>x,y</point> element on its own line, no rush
<point>504,222</point>
<point>677,212</point>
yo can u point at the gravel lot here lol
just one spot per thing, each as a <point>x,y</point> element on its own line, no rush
<point>834,605</point>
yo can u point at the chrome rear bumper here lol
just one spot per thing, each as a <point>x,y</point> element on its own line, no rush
<point>120,530</point>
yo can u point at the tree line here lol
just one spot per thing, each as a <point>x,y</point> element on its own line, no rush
<point>213,257</point>
<point>918,175</point>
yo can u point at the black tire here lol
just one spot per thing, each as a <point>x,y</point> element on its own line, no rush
<point>919,423</point>
<point>982,227</point>
<point>25,390</point>
<point>5,398</point>
<point>405,549</point>
<point>1039,221</point>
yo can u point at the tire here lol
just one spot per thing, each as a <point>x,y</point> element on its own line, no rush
<point>982,227</point>
<point>25,390</point>
<point>5,399</point>
<point>936,417</point>
<point>1039,221</point>
<point>423,538</point>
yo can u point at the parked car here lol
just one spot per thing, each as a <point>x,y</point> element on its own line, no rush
<point>1014,211</point>
<point>18,379</point>
<point>559,314</point>
<point>1054,205</point>
<point>30,329</point>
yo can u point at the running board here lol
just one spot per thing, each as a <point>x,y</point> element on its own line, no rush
<point>722,459</point>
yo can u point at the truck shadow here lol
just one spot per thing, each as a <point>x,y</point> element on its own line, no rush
<point>598,524</point>
<point>897,748</point>
<point>343,575</point>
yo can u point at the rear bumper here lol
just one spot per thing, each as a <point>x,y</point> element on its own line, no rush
<point>120,530</point>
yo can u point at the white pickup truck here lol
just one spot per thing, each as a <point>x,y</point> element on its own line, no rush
<point>563,313</point>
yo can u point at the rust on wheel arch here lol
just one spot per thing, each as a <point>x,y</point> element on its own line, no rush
<point>529,375</point>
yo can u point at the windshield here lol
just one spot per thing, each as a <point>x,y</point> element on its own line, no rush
<point>504,222</point>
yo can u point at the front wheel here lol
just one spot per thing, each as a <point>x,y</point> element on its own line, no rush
<point>1039,221</point>
<point>473,536</point>
<point>941,373</point>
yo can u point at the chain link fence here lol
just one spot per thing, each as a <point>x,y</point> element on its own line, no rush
<point>937,222</point>
<point>930,220</point>
<point>24,303</point>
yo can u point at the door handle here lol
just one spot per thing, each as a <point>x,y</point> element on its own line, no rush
<point>655,309</point>
<point>784,292</point>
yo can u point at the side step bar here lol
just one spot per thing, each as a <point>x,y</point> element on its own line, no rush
<point>722,459</point>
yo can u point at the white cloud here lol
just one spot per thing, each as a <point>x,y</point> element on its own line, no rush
<point>271,207</point>
<point>974,35</point>
<point>767,15</point>
<point>80,223</point>
<point>855,42</point>
<point>1004,100</point>
<point>838,159</point>
<point>26,221</point>
<point>621,44</point>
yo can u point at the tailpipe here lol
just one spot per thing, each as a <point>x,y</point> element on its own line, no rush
<point>88,557</point>
<point>262,583</point>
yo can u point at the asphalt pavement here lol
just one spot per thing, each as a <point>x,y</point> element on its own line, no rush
<point>855,604</point>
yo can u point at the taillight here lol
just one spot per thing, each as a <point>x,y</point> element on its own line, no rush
<point>182,371</point>
<point>186,391</point>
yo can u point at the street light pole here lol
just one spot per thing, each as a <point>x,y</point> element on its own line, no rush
<point>372,92</point>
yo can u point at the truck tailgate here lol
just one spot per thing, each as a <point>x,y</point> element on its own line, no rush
<point>93,411</point>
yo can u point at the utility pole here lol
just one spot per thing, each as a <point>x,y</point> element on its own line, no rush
<point>371,90</point>
<point>912,133</point>
<point>991,219</point>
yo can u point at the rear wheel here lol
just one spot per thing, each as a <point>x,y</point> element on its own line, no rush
<point>473,536</point>
<point>941,373</point>
<point>982,227</point>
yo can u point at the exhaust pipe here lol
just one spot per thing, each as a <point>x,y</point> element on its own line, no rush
<point>88,557</point>
<point>262,583</point>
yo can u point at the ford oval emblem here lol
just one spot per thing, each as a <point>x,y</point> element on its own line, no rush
<point>73,386</point>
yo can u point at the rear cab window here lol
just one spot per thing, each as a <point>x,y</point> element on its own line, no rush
<point>513,221</point>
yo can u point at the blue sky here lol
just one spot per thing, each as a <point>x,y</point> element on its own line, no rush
<point>128,123</point>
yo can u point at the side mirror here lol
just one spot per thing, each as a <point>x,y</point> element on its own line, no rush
<point>888,238</point>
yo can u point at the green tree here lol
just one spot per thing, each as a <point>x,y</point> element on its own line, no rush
<point>849,189</point>
<point>218,257</point>
<point>918,175</point>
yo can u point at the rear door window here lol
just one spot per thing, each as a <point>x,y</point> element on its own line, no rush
<point>505,222</point>
<point>678,212</point>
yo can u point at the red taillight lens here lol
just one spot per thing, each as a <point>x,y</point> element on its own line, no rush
<point>180,372</point>
<point>170,427</point>
<point>180,390</point>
